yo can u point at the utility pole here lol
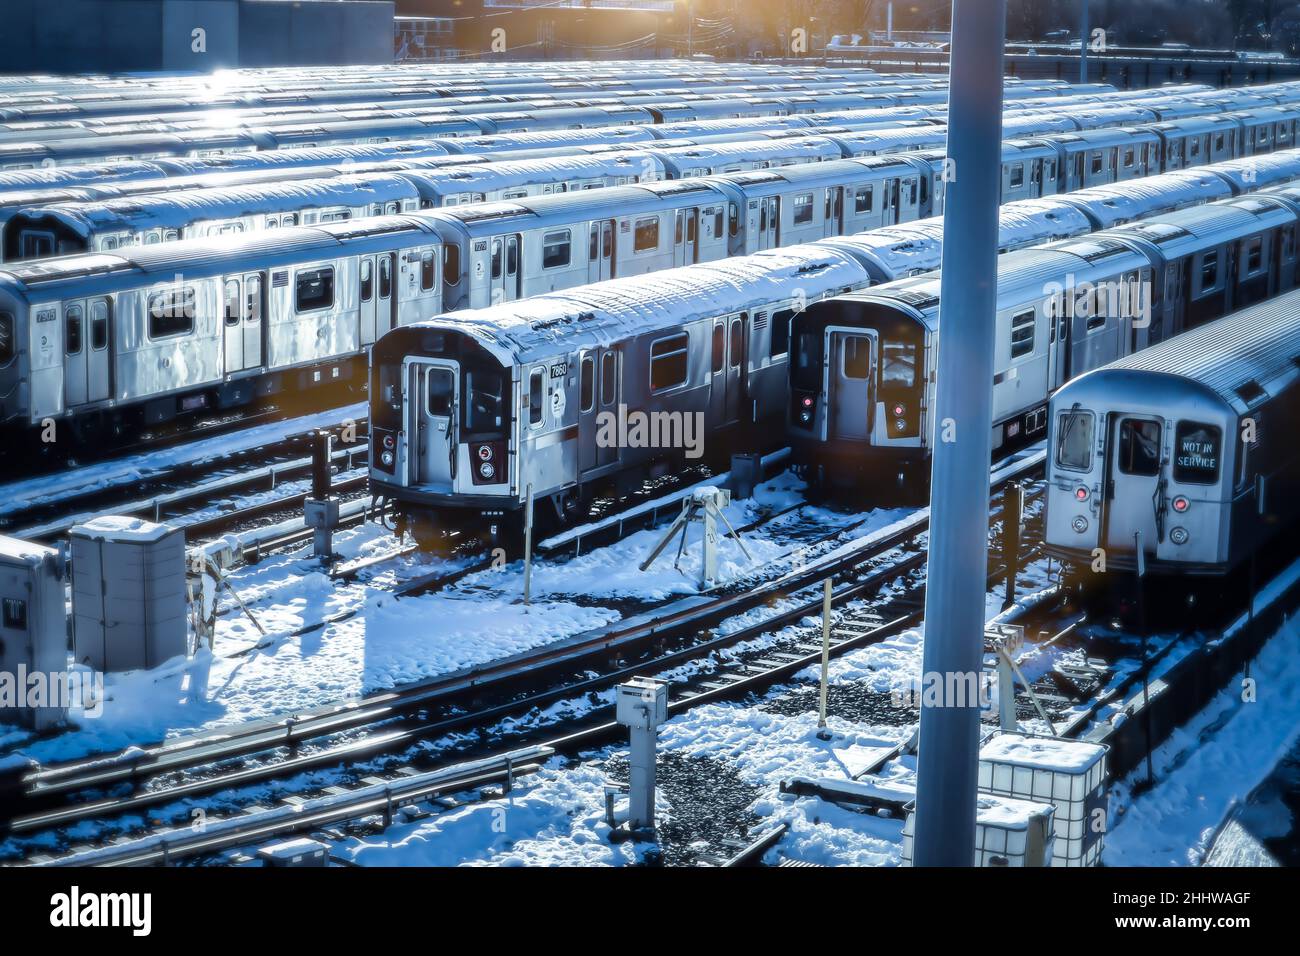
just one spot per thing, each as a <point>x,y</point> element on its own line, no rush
<point>1083,41</point>
<point>948,755</point>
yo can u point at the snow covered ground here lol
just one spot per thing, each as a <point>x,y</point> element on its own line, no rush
<point>328,641</point>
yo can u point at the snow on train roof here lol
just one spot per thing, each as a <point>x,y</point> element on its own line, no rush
<point>175,210</point>
<point>550,137</point>
<point>1253,172</point>
<point>1117,203</point>
<point>1240,357</point>
<point>606,312</point>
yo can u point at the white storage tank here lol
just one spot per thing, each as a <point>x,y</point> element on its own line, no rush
<point>128,593</point>
<point>1071,774</point>
<point>1008,832</point>
<point>33,633</point>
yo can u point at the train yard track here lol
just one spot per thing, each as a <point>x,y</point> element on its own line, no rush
<point>683,634</point>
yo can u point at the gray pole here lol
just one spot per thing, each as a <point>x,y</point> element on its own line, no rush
<point>959,497</point>
<point>1083,42</point>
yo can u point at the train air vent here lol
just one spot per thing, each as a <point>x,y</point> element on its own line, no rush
<point>1250,391</point>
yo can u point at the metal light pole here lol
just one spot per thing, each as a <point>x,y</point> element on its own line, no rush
<point>959,505</point>
<point>1083,42</point>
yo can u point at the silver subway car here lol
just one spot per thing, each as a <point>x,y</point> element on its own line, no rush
<point>573,391</point>
<point>863,365</point>
<point>151,333</point>
<point>1184,453</point>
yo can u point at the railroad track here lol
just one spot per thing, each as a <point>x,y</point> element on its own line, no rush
<point>663,640</point>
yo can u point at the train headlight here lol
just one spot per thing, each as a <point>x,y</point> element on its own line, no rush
<point>899,410</point>
<point>1179,535</point>
<point>387,458</point>
<point>484,453</point>
<point>805,416</point>
<point>1079,524</point>
<point>1181,504</point>
<point>1081,493</point>
<point>390,441</point>
<point>807,401</point>
<point>486,469</point>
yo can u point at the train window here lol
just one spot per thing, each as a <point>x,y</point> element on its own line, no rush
<point>1194,146</point>
<point>733,219</point>
<point>781,332</point>
<point>668,362</point>
<point>911,184</point>
<point>290,219</point>
<point>719,348</point>
<point>315,289</point>
<point>1218,142</point>
<point>272,222</point>
<point>862,200</point>
<point>1022,334</point>
<point>427,275</point>
<point>803,209</point>
<point>440,392</point>
<point>232,301</point>
<point>1096,162</point>
<point>367,280</point>
<point>1196,453</point>
<point>645,235</point>
<point>8,347</point>
<point>496,258</point>
<point>1139,446</point>
<point>898,365</point>
<point>1254,255</point>
<point>253,299</point>
<point>555,249</point>
<point>857,357</point>
<point>588,383</point>
<point>1017,177</point>
<point>737,342</point>
<point>608,378</point>
<point>536,396</point>
<point>451,264</point>
<point>717,223</point>
<point>73,319</point>
<point>1209,271</point>
<point>1074,446</point>
<point>485,397</point>
<point>171,313</point>
<point>593,249</point>
<point>677,231</point>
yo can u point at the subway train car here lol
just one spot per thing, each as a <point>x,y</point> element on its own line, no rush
<point>1180,460</point>
<point>468,410</point>
<point>862,366</point>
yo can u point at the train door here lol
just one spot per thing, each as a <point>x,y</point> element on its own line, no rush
<point>691,250</point>
<point>505,269</point>
<point>588,424</point>
<point>99,360</point>
<point>254,300</point>
<point>889,203</point>
<point>1059,343</point>
<point>737,365</point>
<point>851,388</point>
<point>433,399</point>
<point>768,213</point>
<point>727,362</point>
<point>74,354</point>
<point>367,283</point>
<point>601,253</point>
<point>385,293</point>
<point>834,211</point>
<point>233,325</point>
<point>1134,495</point>
<point>610,391</point>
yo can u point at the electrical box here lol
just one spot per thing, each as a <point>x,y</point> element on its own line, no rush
<point>33,634</point>
<point>128,593</point>
<point>1070,774</point>
<point>642,703</point>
